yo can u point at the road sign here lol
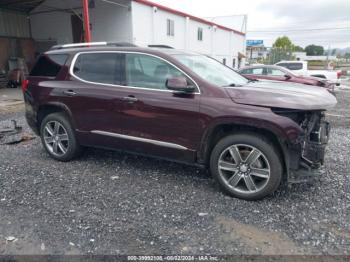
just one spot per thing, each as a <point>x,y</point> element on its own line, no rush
<point>255,42</point>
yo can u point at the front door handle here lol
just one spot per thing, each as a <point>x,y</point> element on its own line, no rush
<point>130,99</point>
<point>69,93</point>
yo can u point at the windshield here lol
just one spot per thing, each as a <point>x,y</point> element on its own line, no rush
<point>211,70</point>
<point>289,71</point>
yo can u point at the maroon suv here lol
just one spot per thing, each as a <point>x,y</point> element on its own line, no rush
<point>180,106</point>
<point>279,73</point>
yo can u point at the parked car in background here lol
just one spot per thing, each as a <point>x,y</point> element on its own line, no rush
<point>301,68</point>
<point>278,73</point>
<point>181,106</point>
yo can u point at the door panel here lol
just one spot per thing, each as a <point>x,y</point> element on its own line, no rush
<point>162,116</point>
<point>93,98</point>
<point>157,114</point>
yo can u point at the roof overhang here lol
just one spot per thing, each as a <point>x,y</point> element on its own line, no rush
<point>23,6</point>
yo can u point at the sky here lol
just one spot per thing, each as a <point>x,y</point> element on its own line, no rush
<point>268,19</point>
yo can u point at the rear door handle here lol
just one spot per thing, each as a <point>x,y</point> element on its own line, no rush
<point>130,99</point>
<point>69,93</point>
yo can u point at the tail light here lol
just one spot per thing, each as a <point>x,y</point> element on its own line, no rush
<point>25,84</point>
<point>339,74</point>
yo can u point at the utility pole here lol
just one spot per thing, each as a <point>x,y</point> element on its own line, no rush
<point>327,62</point>
<point>86,21</point>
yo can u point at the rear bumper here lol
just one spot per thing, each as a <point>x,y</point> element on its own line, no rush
<point>32,123</point>
<point>31,113</point>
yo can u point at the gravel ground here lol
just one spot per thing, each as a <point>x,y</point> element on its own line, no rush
<point>112,203</point>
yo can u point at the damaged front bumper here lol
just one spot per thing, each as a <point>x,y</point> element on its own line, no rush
<point>307,156</point>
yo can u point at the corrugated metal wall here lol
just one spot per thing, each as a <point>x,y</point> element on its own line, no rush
<point>14,24</point>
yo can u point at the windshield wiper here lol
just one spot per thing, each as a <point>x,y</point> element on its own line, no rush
<point>252,80</point>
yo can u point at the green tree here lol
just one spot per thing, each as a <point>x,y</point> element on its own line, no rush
<point>283,43</point>
<point>313,50</point>
<point>282,49</point>
<point>298,49</point>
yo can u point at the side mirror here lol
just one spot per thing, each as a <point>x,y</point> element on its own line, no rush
<point>179,84</point>
<point>287,77</point>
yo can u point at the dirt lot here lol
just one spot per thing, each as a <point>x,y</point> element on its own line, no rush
<point>113,203</point>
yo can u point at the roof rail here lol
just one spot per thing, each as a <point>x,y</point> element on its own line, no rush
<point>121,44</point>
<point>161,46</point>
<point>78,45</point>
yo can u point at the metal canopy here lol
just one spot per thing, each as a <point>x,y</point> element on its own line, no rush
<point>24,6</point>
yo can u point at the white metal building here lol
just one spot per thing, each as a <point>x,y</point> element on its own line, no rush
<point>136,21</point>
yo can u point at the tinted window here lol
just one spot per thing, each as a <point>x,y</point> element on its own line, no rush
<point>274,72</point>
<point>99,68</point>
<point>253,71</point>
<point>148,71</point>
<point>292,66</point>
<point>49,65</point>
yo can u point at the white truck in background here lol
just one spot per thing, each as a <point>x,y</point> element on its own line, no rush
<point>301,68</point>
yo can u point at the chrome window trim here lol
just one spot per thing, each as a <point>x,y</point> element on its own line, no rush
<point>71,71</point>
<point>140,139</point>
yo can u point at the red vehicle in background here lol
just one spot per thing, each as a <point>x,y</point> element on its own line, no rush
<point>278,73</point>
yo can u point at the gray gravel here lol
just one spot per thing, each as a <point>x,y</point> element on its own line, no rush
<point>113,203</point>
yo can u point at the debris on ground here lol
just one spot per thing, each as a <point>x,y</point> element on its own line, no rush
<point>11,239</point>
<point>11,133</point>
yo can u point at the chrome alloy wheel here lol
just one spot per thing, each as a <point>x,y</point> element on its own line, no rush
<point>56,138</point>
<point>244,168</point>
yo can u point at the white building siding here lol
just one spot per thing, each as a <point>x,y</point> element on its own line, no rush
<point>142,24</point>
<point>161,37</point>
<point>203,46</point>
<point>222,47</point>
<point>150,27</point>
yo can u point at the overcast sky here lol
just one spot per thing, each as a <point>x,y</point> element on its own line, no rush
<point>282,15</point>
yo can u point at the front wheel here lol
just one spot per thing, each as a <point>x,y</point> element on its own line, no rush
<point>58,137</point>
<point>246,166</point>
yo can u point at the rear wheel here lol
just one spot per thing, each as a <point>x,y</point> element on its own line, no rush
<point>58,137</point>
<point>246,166</point>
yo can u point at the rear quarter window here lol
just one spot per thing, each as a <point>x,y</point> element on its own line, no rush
<point>292,66</point>
<point>49,65</point>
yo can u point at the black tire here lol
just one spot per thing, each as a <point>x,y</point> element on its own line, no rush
<point>270,153</point>
<point>73,147</point>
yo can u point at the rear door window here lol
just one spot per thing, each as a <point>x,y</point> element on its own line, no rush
<point>103,68</point>
<point>253,71</point>
<point>274,72</point>
<point>49,65</point>
<point>292,66</point>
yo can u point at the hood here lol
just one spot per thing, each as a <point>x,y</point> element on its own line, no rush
<point>314,79</point>
<point>282,95</point>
